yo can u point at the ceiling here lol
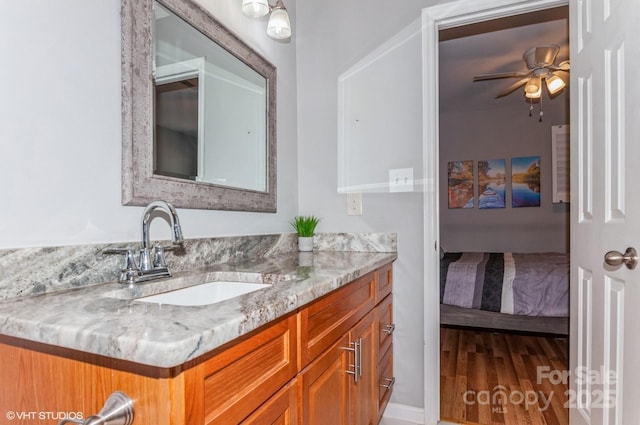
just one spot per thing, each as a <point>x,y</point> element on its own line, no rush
<point>495,46</point>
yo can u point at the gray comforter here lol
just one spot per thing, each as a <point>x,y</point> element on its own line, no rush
<point>525,284</point>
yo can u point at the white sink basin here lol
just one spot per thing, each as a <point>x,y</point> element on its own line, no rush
<point>204,294</point>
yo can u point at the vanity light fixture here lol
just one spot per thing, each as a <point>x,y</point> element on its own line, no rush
<point>255,8</point>
<point>279,26</point>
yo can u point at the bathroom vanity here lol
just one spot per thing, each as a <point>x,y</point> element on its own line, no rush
<point>315,347</point>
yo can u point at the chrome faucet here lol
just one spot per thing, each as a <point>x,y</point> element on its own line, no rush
<point>151,264</point>
<point>146,264</point>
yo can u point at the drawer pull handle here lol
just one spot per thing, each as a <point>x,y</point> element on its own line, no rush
<point>357,359</point>
<point>389,328</point>
<point>388,383</point>
<point>354,350</point>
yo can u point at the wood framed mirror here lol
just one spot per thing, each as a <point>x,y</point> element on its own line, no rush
<point>198,111</point>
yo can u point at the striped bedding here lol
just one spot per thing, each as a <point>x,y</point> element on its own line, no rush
<point>534,284</point>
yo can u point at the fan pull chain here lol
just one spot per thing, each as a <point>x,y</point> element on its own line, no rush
<point>541,112</point>
<point>530,107</point>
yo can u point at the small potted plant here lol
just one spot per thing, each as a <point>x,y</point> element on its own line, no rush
<point>305,227</point>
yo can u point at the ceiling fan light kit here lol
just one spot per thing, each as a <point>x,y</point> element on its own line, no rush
<point>533,95</point>
<point>532,87</point>
<point>554,83</point>
<point>540,66</point>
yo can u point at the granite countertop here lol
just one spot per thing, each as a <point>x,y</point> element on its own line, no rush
<point>105,319</point>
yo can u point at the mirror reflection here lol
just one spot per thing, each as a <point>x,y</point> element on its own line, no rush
<point>209,109</point>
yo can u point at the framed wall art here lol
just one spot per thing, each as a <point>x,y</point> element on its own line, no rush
<point>460,185</point>
<point>492,181</point>
<point>525,182</point>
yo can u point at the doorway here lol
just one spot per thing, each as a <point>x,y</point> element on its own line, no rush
<point>434,19</point>
<point>494,227</point>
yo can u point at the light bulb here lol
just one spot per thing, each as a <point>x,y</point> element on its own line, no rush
<point>534,95</point>
<point>279,26</point>
<point>555,84</point>
<point>533,86</point>
<point>255,8</point>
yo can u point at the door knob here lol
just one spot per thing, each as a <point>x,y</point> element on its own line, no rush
<point>629,258</point>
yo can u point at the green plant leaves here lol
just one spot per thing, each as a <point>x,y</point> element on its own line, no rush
<point>305,225</point>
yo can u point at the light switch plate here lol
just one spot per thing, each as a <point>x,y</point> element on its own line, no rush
<point>354,203</point>
<point>401,180</point>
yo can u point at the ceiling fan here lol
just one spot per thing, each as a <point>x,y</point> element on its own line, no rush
<point>540,66</point>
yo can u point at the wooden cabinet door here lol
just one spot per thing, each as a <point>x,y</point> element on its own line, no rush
<point>280,409</point>
<point>41,384</point>
<point>324,387</point>
<point>363,400</point>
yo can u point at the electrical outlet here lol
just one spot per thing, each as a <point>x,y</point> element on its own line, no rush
<point>354,203</point>
<point>401,180</point>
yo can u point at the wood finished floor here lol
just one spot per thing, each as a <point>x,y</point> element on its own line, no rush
<point>498,378</point>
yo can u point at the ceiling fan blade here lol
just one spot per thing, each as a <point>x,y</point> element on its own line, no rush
<point>512,87</point>
<point>484,77</point>
<point>562,66</point>
<point>546,55</point>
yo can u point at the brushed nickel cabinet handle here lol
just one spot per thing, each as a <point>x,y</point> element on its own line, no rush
<point>389,328</point>
<point>354,350</point>
<point>117,410</point>
<point>360,356</point>
<point>388,382</point>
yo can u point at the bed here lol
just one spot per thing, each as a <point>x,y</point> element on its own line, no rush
<point>510,291</point>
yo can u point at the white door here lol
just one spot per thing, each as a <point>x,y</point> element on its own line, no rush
<point>605,127</point>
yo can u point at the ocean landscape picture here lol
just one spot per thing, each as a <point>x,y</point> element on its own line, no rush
<point>525,182</point>
<point>460,184</point>
<point>492,182</point>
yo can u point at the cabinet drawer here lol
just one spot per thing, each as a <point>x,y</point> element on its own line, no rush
<point>384,276</point>
<point>386,380</point>
<point>281,409</point>
<point>228,387</point>
<point>385,325</point>
<point>324,321</point>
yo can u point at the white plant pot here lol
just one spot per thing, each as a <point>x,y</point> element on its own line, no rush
<point>305,244</point>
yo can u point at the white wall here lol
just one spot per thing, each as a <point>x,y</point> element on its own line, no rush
<point>60,137</point>
<point>333,36</point>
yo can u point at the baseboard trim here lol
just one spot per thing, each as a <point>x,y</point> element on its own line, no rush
<point>403,412</point>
